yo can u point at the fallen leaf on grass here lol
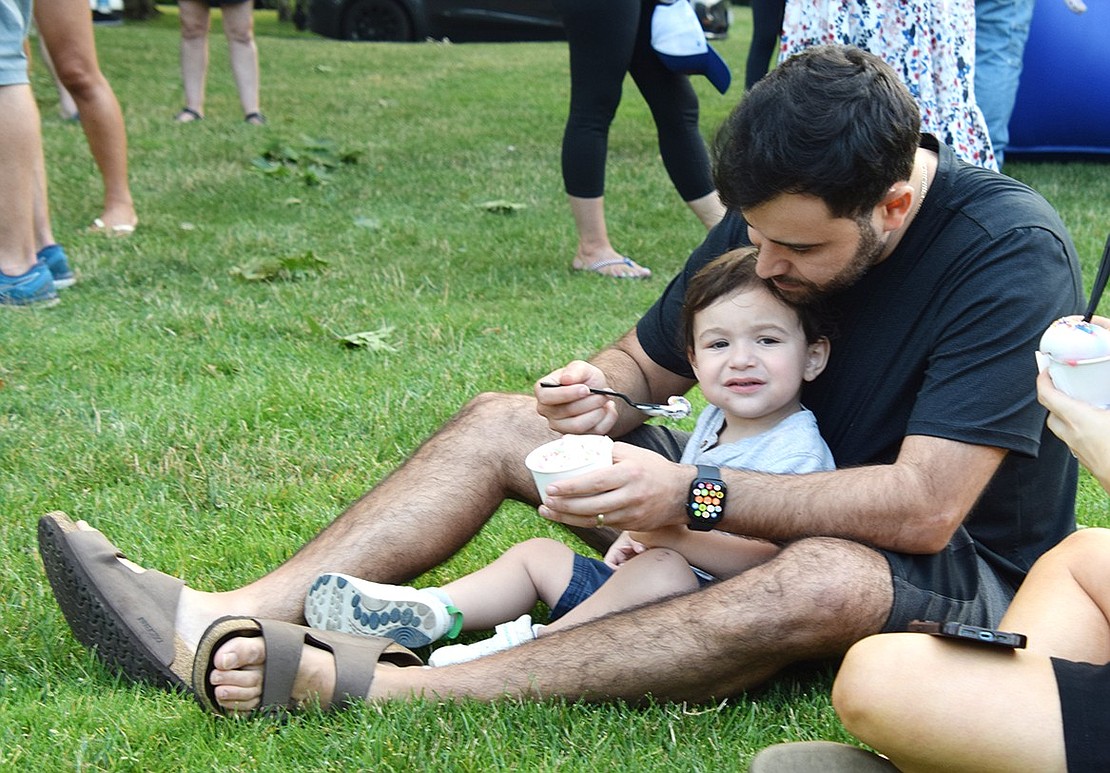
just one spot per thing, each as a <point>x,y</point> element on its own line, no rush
<point>502,207</point>
<point>372,340</point>
<point>288,269</point>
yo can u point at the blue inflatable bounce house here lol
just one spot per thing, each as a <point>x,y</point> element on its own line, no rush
<point>1063,100</point>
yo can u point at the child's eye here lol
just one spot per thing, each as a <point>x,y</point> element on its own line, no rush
<point>768,341</point>
<point>718,345</point>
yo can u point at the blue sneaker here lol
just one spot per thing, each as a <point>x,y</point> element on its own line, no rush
<point>55,259</point>
<point>34,287</point>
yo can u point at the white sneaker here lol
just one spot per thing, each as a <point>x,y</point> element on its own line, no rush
<point>505,636</point>
<point>408,616</point>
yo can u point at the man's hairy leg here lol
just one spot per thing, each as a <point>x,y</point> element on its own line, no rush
<point>813,600</point>
<point>463,472</point>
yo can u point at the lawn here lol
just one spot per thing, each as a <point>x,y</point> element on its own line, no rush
<point>301,305</point>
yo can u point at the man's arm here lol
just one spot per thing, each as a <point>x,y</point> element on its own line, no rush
<point>913,505</point>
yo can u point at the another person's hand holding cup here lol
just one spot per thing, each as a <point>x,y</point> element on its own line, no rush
<point>1083,426</point>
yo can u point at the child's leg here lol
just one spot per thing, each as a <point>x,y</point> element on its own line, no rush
<point>655,574</point>
<point>536,570</point>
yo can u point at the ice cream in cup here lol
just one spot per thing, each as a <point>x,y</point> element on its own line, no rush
<point>568,457</point>
<point>1077,356</point>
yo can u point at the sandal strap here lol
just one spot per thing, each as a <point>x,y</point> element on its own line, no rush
<point>356,658</point>
<point>284,645</point>
<point>613,262</point>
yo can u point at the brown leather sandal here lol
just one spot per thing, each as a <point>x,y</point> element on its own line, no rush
<point>356,657</point>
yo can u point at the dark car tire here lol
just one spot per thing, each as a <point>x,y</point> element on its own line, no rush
<point>377,20</point>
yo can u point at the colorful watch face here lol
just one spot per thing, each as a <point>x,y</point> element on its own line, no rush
<point>707,499</point>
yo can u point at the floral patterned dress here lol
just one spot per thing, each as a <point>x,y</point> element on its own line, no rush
<point>929,43</point>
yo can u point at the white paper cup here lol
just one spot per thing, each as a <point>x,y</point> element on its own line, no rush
<point>568,457</point>
<point>1086,380</point>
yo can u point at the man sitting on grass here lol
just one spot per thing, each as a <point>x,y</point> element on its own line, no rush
<point>940,278</point>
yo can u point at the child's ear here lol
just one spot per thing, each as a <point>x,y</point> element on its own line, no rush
<point>817,357</point>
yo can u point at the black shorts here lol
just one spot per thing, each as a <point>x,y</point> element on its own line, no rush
<point>955,584</point>
<point>1084,689</point>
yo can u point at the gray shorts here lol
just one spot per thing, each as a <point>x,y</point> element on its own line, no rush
<point>15,21</point>
<point>955,584</point>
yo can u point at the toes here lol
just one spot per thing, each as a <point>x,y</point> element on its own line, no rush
<point>236,700</point>
<point>240,685</point>
<point>240,653</point>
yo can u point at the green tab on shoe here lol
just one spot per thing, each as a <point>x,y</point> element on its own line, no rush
<point>456,624</point>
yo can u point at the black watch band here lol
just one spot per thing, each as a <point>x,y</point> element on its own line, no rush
<point>706,505</point>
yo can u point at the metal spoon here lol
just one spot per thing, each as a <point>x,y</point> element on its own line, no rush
<point>677,407</point>
<point>1100,282</point>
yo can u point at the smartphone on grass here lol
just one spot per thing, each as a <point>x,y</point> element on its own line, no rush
<point>969,633</point>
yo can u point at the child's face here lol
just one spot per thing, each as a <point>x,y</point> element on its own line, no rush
<point>751,356</point>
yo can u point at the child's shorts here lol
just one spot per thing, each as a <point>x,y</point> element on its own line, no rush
<point>589,574</point>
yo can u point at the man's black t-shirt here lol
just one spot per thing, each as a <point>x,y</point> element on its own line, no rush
<point>938,340</point>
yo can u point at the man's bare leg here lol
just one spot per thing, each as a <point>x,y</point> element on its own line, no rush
<point>465,471</point>
<point>813,600</point>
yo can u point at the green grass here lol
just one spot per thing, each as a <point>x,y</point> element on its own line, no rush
<point>211,425</point>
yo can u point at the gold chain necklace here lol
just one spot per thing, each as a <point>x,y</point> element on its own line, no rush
<point>924,187</point>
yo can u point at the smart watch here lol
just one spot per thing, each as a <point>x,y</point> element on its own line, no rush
<point>706,505</point>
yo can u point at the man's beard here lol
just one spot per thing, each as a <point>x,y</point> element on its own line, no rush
<point>867,255</point>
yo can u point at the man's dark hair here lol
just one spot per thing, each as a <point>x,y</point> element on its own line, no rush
<point>731,273</point>
<point>833,122</point>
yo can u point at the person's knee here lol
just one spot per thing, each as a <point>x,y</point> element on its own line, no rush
<point>1077,553</point>
<point>875,673</point>
<point>80,77</point>
<point>537,547</point>
<point>667,570</point>
<point>836,583</point>
<point>1081,554</point>
<point>194,30</point>
<point>1083,545</point>
<point>494,412</point>
<point>239,35</point>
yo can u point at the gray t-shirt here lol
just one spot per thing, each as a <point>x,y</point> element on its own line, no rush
<point>794,445</point>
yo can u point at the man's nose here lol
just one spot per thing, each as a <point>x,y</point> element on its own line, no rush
<point>771,262</point>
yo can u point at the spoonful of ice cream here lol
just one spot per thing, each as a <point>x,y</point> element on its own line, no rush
<point>676,407</point>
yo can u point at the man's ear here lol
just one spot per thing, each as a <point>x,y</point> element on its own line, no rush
<point>896,207</point>
<point>817,357</point>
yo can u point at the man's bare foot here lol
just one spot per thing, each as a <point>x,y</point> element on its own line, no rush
<point>247,664</point>
<point>239,671</point>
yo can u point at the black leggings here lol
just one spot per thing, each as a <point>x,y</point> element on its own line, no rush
<point>766,27</point>
<point>608,38</point>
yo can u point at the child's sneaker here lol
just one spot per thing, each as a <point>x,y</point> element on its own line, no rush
<point>36,287</point>
<point>408,616</point>
<point>505,636</point>
<point>55,259</point>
